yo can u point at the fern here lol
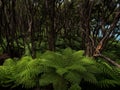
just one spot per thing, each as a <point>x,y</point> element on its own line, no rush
<point>74,67</point>
<point>7,73</point>
<point>108,76</point>
<point>63,70</point>
<point>69,65</point>
<point>27,75</point>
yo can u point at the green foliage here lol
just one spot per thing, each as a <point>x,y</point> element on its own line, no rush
<point>109,75</point>
<point>73,67</point>
<point>75,87</point>
<point>7,73</point>
<point>63,70</point>
<point>28,71</point>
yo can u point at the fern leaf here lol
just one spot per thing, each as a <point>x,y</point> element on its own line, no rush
<point>24,78</point>
<point>6,76</point>
<point>60,84</point>
<point>73,77</point>
<point>9,62</point>
<point>48,78</point>
<point>75,87</point>
<point>107,83</point>
<point>61,71</point>
<point>89,77</point>
<point>52,59</point>
<point>87,61</point>
<point>93,69</point>
<point>67,52</point>
<point>77,67</point>
<point>78,55</point>
<point>21,64</point>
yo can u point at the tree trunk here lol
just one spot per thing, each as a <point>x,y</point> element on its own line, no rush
<point>51,30</point>
<point>88,44</point>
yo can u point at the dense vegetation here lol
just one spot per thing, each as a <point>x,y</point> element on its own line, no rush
<point>59,44</point>
<point>63,71</point>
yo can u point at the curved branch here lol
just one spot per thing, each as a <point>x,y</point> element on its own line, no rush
<point>108,60</point>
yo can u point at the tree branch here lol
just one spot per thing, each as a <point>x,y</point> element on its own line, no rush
<point>109,60</point>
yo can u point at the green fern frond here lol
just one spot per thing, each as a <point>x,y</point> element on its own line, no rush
<point>6,76</point>
<point>34,68</point>
<point>78,55</point>
<point>93,69</point>
<point>87,61</point>
<point>61,71</point>
<point>89,77</point>
<point>52,59</point>
<point>9,62</point>
<point>24,78</point>
<point>21,64</point>
<point>61,84</point>
<point>108,75</point>
<point>47,78</point>
<point>67,52</point>
<point>106,69</point>
<point>77,67</point>
<point>107,65</point>
<point>27,76</point>
<point>107,83</point>
<point>73,77</point>
<point>117,69</point>
<point>75,87</point>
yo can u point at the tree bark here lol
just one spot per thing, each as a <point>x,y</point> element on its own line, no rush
<point>50,6</point>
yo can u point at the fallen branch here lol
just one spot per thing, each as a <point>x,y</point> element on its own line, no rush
<point>109,60</point>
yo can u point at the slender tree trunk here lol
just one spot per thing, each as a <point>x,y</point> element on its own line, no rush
<point>51,30</point>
